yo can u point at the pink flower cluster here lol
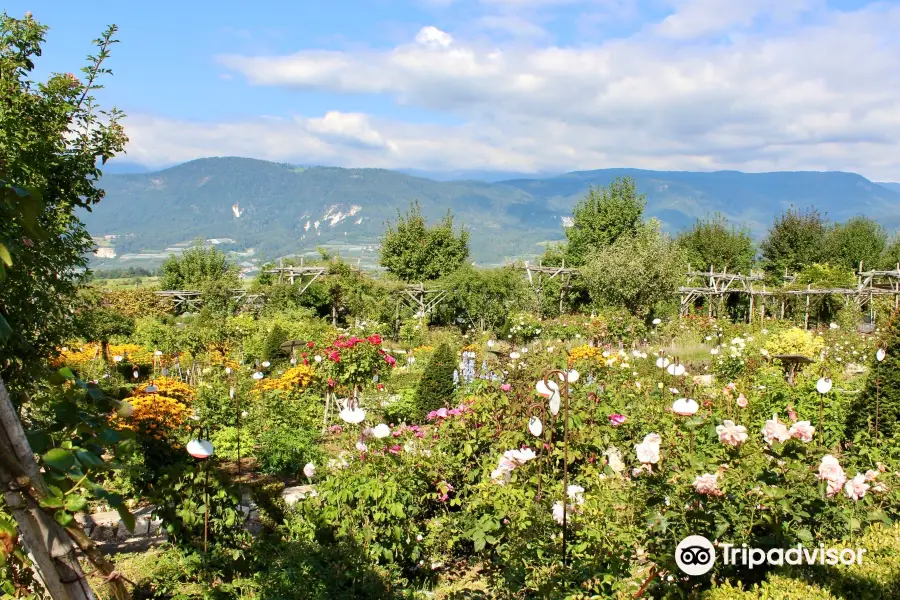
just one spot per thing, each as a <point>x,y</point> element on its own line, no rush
<point>444,488</point>
<point>443,413</point>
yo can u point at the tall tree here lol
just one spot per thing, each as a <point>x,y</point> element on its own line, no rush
<point>713,242</point>
<point>415,252</point>
<point>603,216</point>
<point>636,271</point>
<point>891,257</point>
<point>860,239</point>
<point>52,136</point>
<point>196,268</point>
<point>796,240</point>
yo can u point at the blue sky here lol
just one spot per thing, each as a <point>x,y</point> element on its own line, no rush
<point>513,85</point>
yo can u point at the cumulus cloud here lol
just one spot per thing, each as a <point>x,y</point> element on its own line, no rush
<point>734,85</point>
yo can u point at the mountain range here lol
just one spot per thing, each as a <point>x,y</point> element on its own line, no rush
<point>280,209</point>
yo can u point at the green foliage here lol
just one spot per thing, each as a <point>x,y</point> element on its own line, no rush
<point>891,257</point>
<point>875,579</point>
<point>636,271</point>
<point>196,267</point>
<point>858,240</point>
<point>714,243</point>
<point>482,298</point>
<point>415,252</point>
<point>602,217</point>
<point>436,387</point>
<point>880,399</point>
<point>102,324</point>
<point>225,441</point>
<point>795,240</point>
<point>52,135</point>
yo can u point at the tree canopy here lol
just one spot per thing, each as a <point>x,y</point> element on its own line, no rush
<point>414,252</point>
<point>52,138</point>
<point>795,240</point>
<point>603,216</point>
<point>196,268</point>
<point>713,242</point>
<point>857,240</point>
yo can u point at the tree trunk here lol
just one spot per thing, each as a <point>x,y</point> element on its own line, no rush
<point>53,553</point>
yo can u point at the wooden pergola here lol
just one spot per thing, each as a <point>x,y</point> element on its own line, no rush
<point>538,274</point>
<point>192,299</point>
<point>719,284</point>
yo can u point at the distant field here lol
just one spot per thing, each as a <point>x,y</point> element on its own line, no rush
<point>127,283</point>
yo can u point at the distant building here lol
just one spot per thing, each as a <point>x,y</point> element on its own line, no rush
<point>105,252</point>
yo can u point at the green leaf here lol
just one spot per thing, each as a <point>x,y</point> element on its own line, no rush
<point>67,373</point>
<point>479,544</point>
<point>64,518</point>
<point>39,441</point>
<point>88,459</point>
<point>59,459</point>
<point>5,256</point>
<point>127,517</point>
<point>52,502</point>
<point>5,329</point>
<point>805,535</point>
<point>76,504</point>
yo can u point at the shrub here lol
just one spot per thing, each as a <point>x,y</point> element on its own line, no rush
<point>881,395</point>
<point>796,341</point>
<point>436,387</point>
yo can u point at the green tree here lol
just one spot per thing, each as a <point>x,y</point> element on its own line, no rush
<point>635,272</point>
<point>436,388</point>
<point>714,243</point>
<point>101,324</point>
<point>796,240</point>
<point>860,239</point>
<point>196,267</point>
<point>881,395</point>
<point>603,216</point>
<point>415,252</point>
<point>52,138</point>
<point>891,257</point>
<point>483,298</point>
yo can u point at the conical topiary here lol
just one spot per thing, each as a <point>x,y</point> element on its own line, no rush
<point>436,388</point>
<point>880,400</point>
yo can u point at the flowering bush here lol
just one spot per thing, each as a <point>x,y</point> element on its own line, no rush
<point>354,361</point>
<point>297,377</point>
<point>155,415</point>
<point>796,341</point>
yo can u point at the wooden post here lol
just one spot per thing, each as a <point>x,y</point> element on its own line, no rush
<point>48,543</point>
<point>806,314</point>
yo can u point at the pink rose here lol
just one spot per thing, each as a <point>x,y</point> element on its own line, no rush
<point>731,434</point>
<point>803,431</point>
<point>857,487</point>
<point>707,485</point>
<point>742,401</point>
<point>830,468</point>
<point>775,431</point>
<point>505,387</point>
<point>616,419</point>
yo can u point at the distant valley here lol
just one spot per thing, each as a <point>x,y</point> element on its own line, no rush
<point>263,210</point>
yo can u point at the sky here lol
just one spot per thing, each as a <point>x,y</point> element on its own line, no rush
<point>508,85</point>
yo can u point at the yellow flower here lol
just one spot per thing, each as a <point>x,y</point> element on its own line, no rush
<point>155,414</point>
<point>581,353</point>
<point>296,377</point>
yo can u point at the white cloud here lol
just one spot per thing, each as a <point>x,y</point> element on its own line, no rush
<point>824,95</point>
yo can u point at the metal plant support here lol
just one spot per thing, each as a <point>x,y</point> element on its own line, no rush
<point>564,376</point>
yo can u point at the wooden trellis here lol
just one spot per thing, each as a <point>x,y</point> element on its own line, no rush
<point>301,273</point>
<point>421,299</point>
<point>721,284</point>
<point>192,300</point>
<point>538,274</point>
